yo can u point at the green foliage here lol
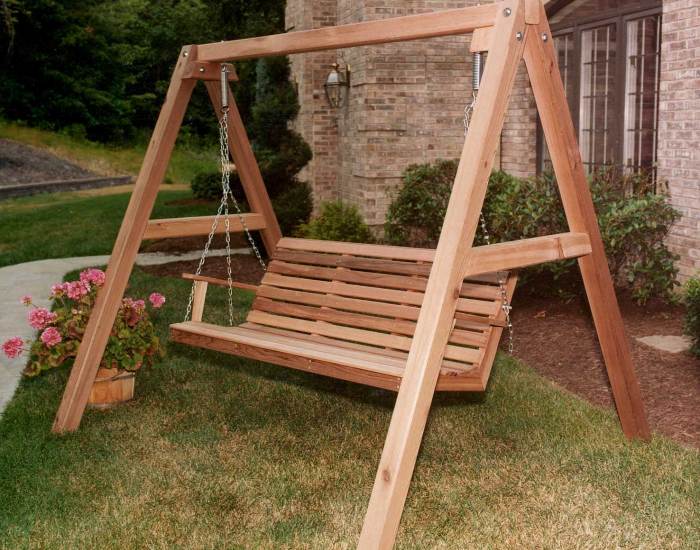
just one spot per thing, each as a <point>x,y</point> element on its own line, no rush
<point>415,215</point>
<point>634,221</point>
<point>338,221</point>
<point>281,152</point>
<point>692,316</point>
<point>132,342</point>
<point>100,68</point>
<point>293,207</point>
<point>207,186</point>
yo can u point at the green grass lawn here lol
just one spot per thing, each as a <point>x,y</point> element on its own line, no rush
<point>217,451</point>
<point>56,225</point>
<point>111,160</point>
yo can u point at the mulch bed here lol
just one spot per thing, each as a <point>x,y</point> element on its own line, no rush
<point>21,163</point>
<point>245,268</point>
<point>558,340</point>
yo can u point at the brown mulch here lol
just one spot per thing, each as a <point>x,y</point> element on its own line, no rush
<point>558,340</point>
<point>245,268</point>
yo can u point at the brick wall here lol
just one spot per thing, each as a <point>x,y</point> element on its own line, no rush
<point>679,126</point>
<point>405,105</point>
<point>316,121</point>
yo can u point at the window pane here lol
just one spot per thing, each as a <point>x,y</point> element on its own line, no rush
<point>597,97</point>
<point>641,92</point>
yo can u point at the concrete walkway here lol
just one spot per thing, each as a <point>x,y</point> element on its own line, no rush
<point>35,279</point>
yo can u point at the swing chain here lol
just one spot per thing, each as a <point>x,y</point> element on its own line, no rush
<point>224,160</point>
<point>468,111</point>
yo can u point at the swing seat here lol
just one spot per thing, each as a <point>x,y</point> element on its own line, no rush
<point>349,311</point>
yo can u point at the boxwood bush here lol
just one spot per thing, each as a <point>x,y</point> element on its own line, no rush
<point>634,221</point>
<point>337,221</point>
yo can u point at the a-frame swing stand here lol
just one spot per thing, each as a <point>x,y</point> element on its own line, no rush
<point>508,30</point>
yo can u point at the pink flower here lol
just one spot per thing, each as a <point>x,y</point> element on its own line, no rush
<point>77,289</point>
<point>40,317</point>
<point>58,289</point>
<point>94,276</point>
<point>13,347</point>
<point>26,299</point>
<point>157,300</point>
<point>51,337</point>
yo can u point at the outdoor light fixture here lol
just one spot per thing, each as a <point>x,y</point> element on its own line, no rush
<point>337,84</point>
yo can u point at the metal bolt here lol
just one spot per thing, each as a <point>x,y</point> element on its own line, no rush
<point>544,37</point>
<point>507,12</point>
<point>201,69</point>
<point>518,36</point>
<point>185,54</point>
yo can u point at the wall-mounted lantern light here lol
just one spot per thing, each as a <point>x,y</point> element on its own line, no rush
<point>337,85</point>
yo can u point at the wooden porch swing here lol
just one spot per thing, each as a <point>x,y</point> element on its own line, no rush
<point>411,320</point>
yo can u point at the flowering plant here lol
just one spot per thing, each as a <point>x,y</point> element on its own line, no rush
<point>132,342</point>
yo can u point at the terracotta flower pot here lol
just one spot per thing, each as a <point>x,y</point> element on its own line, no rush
<point>111,387</point>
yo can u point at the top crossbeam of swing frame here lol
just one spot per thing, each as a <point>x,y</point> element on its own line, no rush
<point>399,29</point>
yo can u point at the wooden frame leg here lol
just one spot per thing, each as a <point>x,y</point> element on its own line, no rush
<point>435,320</point>
<point>558,128</point>
<point>247,167</point>
<point>126,247</point>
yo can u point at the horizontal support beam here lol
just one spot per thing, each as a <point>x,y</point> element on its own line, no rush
<point>200,225</point>
<point>516,254</point>
<point>208,71</point>
<point>397,29</point>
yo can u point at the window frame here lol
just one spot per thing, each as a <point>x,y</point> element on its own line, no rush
<point>619,17</point>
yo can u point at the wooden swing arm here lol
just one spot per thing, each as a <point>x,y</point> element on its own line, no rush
<point>451,262</point>
<point>126,246</point>
<point>541,63</point>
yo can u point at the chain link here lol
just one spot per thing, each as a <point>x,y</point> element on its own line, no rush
<point>505,303</point>
<point>225,162</point>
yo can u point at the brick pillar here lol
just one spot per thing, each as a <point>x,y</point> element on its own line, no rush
<point>316,122</point>
<point>679,126</point>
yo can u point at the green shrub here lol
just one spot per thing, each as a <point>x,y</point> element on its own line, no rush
<point>633,218</point>
<point>415,215</point>
<point>293,207</point>
<point>692,316</point>
<point>207,186</point>
<point>337,221</point>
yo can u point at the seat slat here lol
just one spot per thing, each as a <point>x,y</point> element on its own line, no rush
<point>448,366</point>
<point>466,305</point>
<point>466,355</point>
<point>341,302</point>
<point>352,262</point>
<point>385,324</point>
<point>359,249</point>
<point>367,278</point>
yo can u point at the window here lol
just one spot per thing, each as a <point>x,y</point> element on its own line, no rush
<point>642,92</point>
<point>609,62</point>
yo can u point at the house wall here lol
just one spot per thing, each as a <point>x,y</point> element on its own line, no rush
<point>679,126</point>
<point>406,104</point>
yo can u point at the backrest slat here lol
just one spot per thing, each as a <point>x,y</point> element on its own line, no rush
<point>369,296</point>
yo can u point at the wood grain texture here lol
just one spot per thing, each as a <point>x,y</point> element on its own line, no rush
<point>350,362</point>
<point>435,320</point>
<point>168,228</point>
<point>396,29</point>
<point>541,63</point>
<point>126,247</point>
